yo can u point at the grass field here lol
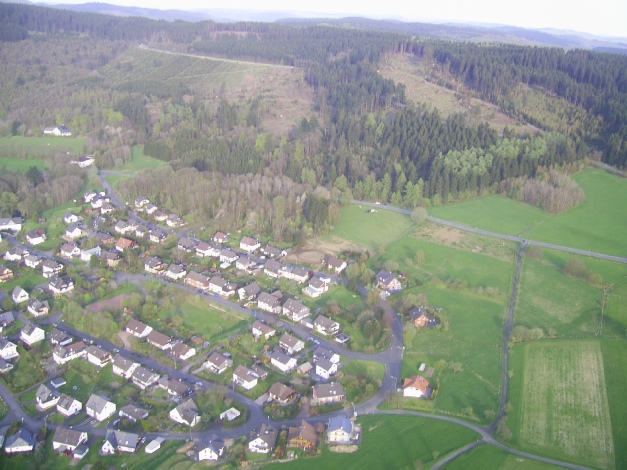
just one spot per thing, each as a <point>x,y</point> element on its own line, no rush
<point>21,164</point>
<point>212,323</point>
<point>394,442</point>
<point>368,231</point>
<point>40,147</point>
<point>474,340</point>
<point>559,304</point>
<point>561,403</point>
<point>488,457</point>
<point>140,161</point>
<point>615,365</point>
<point>598,224</point>
<point>495,213</point>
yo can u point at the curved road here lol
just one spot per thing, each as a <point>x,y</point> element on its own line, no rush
<point>391,358</point>
<point>501,236</point>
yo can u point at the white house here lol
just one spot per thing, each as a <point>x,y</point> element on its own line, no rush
<point>325,368</point>
<point>50,268</point>
<point>99,408</point>
<point>294,310</point>
<point>261,329</point>
<point>19,295</point>
<point>69,250</point>
<point>186,413</point>
<point>124,367</point>
<point>36,237</point>
<point>97,356</point>
<point>32,261</point>
<point>183,352</point>
<point>263,439</point>
<point>121,441</point>
<point>175,271</point>
<point>31,334</point>
<point>68,439</point>
<point>416,387</point>
<point>46,398</point>
<point>245,377</point>
<point>282,361</point>
<point>68,405</point>
<point>329,393</point>
<point>211,450</point>
<point>60,285</point>
<point>70,218</point>
<point>326,326</point>
<point>249,244</point>
<point>217,363</point>
<point>73,231</point>
<point>58,131</point>
<point>291,344</point>
<point>8,350</point>
<point>340,430</point>
<point>21,441</point>
<point>64,354</point>
<point>269,303</point>
<point>137,328</point>
<point>38,308</point>
<point>12,223</point>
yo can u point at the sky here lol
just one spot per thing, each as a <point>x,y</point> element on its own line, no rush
<point>599,17</point>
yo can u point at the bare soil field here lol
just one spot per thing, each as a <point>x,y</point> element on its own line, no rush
<point>564,402</point>
<point>114,303</point>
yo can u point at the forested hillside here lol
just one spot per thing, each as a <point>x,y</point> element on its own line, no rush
<point>352,134</point>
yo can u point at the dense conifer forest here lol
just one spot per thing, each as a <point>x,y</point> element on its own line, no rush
<point>362,138</point>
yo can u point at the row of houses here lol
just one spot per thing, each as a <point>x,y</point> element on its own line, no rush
<point>339,430</point>
<point>178,349</point>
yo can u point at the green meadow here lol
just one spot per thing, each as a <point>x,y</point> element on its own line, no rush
<point>140,161</point>
<point>40,147</point>
<point>560,401</point>
<point>487,457</point>
<point>495,213</point>
<point>559,304</point>
<point>598,224</point>
<point>368,230</point>
<point>394,442</point>
<point>21,164</point>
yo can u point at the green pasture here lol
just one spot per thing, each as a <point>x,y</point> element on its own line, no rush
<point>139,161</point>
<point>495,213</point>
<point>560,405</point>
<point>473,339</point>
<point>487,457</point>
<point>40,147</point>
<point>559,304</point>
<point>213,323</point>
<point>449,263</point>
<point>615,365</point>
<point>21,164</point>
<point>598,224</point>
<point>368,231</point>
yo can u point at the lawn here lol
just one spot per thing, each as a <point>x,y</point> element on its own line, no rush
<point>560,402</point>
<point>40,147</point>
<point>21,164</point>
<point>27,279</point>
<point>487,457</point>
<point>140,161</point>
<point>495,213</point>
<point>559,304</point>
<point>615,365</point>
<point>448,263</point>
<point>474,340</point>
<point>368,231</point>
<point>598,224</point>
<point>211,322</point>
<point>398,442</point>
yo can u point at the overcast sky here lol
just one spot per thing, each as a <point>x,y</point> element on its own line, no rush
<point>600,17</point>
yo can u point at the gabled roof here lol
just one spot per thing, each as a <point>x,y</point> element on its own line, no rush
<point>217,359</point>
<point>266,433</point>
<point>97,403</point>
<point>324,322</point>
<point>121,362</point>
<point>245,373</point>
<point>417,382</point>
<point>281,391</point>
<point>252,289</point>
<point>65,401</point>
<point>67,436</point>
<point>289,340</point>
<point>304,431</point>
<point>281,357</point>
<point>269,299</point>
<point>262,327</point>
<point>340,423</point>
<point>134,412</point>
<point>188,410</point>
<point>21,438</point>
<point>158,338</point>
<point>136,326</point>
<point>328,390</point>
<point>45,394</point>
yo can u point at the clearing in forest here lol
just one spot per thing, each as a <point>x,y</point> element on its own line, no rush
<point>564,402</point>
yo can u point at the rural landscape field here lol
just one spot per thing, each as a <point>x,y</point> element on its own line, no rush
<point>309,243</point>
